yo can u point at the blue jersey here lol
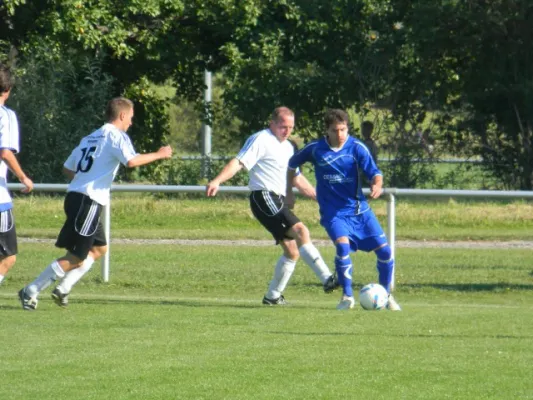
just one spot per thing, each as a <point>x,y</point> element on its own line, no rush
<point>337,171</point>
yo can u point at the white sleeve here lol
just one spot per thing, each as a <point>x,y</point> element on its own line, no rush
<point>71,161</point>
<point>9,130</point>
<point>251,152</point>
<point>123,148</point>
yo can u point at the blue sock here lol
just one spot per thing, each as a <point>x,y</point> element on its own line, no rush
<point>343,266</point>
<point>385,266</point>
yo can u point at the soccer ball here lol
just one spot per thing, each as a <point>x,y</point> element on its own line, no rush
<point>373,297</point>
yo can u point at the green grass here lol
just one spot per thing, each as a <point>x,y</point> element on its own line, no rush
<point>135,215</point>
<point>185,322</point>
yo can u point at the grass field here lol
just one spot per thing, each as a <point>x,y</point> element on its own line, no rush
<point>136,216</point>
<point>186,322</point>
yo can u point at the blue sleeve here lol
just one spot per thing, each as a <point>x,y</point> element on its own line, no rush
<point>366,162</point>
<point>302,156</point>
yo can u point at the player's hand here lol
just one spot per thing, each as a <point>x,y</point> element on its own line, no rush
<point>28,183</point>
<point>165,152</point>
<point>212,188</point>
<point>375,191</point>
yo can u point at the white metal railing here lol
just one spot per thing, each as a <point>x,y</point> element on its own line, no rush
<point>389,194</point>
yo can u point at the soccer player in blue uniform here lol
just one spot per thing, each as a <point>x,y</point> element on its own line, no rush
<point>339,159</point>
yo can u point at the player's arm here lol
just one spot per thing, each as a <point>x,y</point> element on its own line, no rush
<point>147,158</point>
<point>371,171</point>
<point>9,158</point>
<point>69,173</point>
<point>295,178</point>
<point>304,186</point>
<point>228,172</point>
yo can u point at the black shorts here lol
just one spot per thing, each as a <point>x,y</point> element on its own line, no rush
<point>8,234</point>
<point>83,229</point>
<point>271,211</point>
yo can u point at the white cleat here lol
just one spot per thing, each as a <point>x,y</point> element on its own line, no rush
<point>392,304</point>
<point>346,303</point>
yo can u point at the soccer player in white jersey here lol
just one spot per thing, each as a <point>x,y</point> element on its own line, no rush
<point>9,145</point>
<point>91,167</point>
<point>266,155</point>
<point>338,159</point>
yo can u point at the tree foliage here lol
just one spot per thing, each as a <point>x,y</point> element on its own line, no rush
<point>460,69</point>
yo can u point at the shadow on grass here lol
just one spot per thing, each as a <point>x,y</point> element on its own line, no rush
<point>469,287</point>
<point>416,335</point>
<point>457,287</point>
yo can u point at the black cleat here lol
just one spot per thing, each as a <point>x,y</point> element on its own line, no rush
<point>280,301</point>
<point>28,303</point>
<point>61,299</point>
<point>331,284</point>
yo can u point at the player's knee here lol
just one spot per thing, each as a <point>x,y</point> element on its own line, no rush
<point>290,250</point>
<point>343,249</point>
<point>292,254</point>
<point>384,253</point>
<point>301,231</point>
<point>97,252</point>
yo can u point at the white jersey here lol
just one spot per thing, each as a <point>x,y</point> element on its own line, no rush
<point>266,159</point>
<point>9,139</point>
<point>96,161</point>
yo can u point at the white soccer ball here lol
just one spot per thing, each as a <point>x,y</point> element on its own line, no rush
<point>373,297</point>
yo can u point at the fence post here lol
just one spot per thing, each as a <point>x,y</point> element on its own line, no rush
<point>107,230</point>
<point>391,230</point>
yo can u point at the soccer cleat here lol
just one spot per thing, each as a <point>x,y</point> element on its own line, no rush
<point>61,299</point>
<point>28,303</point>
<point>346,303</point>
<point>280,301</point>
<point>331,284</point>
<point>392,304</point>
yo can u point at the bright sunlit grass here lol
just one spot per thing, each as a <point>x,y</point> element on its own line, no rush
<point>185,322</point>
<point>136,215</point>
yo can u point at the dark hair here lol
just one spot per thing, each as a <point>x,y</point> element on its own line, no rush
<point>279,111</point>
<point>335,116</point>
<point>116,106</point>
<point>6,79</point>
<point>367,127</point>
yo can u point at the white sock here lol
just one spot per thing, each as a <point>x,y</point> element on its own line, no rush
<point>49,275</point>
<point>312,257</point>
<point>282,274</point>
<point>1,278</point>
<point>74,275</point>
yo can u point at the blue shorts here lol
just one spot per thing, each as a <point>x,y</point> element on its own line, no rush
<point>363,230</point>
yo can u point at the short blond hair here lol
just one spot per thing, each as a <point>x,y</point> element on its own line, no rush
<point>279,111</point>
<point>116,106</point>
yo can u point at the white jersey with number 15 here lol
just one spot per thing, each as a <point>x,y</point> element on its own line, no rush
<point>96,161</point>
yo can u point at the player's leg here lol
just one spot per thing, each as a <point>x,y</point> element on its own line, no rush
<point>267,208</point>
<point>282,273</point>
<point>61,292</point>
<point>8,243</point>
<point>76,236</point>
<point>55,270</point>
<point>344,268</point>
<point>338,230</point>
<point>309,252</point>
<point>376,241</point>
